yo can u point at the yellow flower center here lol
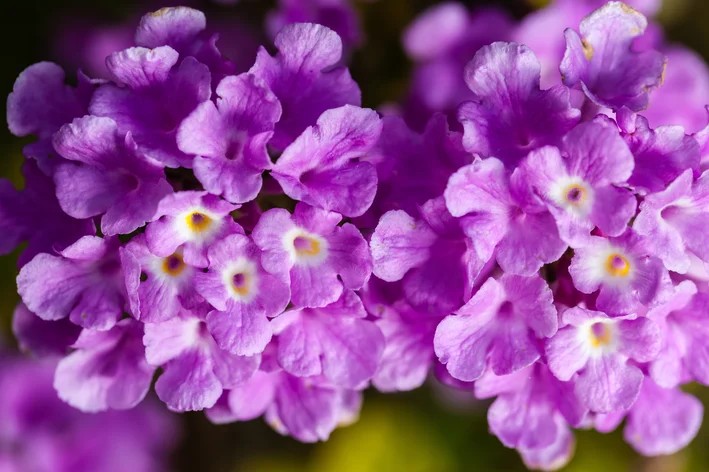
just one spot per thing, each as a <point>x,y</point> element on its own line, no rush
<point>198,222</point>
<point>241,284</point>
<point>600,335</point>
<point>575,194</point>
<point>306,246</point>
<point>173,265</point>
<point>617,265</point>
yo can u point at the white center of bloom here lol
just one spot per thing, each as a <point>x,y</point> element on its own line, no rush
<point>171,269</point>
<point>613,266</point>
<point>600,336</point>
<point>198,224</point>
<point>241,280</point>
<point>305,248</point>
<point>573,195</point>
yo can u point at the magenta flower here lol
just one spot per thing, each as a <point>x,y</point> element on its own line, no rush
<point>413,168</point>
<point>184,30</point>
<point>83,283</point>
<point>190,221</point>
<point>105,174</point>
<point>108,369</point>
<point>334,341</point>
<point>229,138</point>
<point>583,187</point>
<point>158,287</point>
<point>303,77</point>
<point>324,166</point>
<point>40,103</point>
<point>662,420</point>
<point>682,321</point>
<point>603,63</point>
<point>661,155</point>
<point>502,218</point>
<point>675,221</point>
<point>244,295</point>
<point>598,348</point>
<point>622,269</point>
<point>500,325</point>
<point>321,257</point>
<point>196,370</point>
<point>431,256</point>
<point>510,115</point>
<point>533,413</point>
<point>151,95</point>
<point>408,349</point>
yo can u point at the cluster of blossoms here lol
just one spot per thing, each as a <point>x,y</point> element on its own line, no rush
<point>40,433</point>
<point>272,248</point>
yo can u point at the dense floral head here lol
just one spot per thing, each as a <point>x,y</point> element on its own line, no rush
<point>258,244</point>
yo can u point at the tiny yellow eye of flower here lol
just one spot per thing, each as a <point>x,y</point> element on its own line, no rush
<point>617,265</point>
<point>240,283</point>
<point>173,265</point>
<point>575,194</point>
<point>600,335</point>
<point>198,222</point>
<point>306,246</point>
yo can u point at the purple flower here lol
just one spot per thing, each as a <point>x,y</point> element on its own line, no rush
<point>622,269</point>
<point>431,256</point>
<point>501,325</point>
<point>308,408</point>
<point>157,287</point>
<point>243,294</point>
<point>510,115</point>
<point>40,103</point>
<point>441,41</point>
<point>408,351</point>
<point>303,78</point>
<point>599,348</point>
<point>676,221</point>
<point>33,215</point>
<point>190,221</point>
<point>685,337</point>
<point>413,168</point>
<point>184,30</point>
<point>106,176</point>
<point>246,401</point>
<point>150,98</point>
<point>532,413</point>
<point>108,370</point>
<point>323,167</point>
<point>603,63</point>
<point>502,219</point>
<point>196,370</point>
<point>683,95</point>
<point>229,138</point>
<point>83,282</point>
<point>662,421</point>
<point>321,257</point>
<point>334,341</point>
<point>581,188</point>
<point>338,15</point>
<point>661,154</point>
<point>43,338</point>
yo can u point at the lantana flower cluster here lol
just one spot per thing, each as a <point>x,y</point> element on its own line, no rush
<point>265,246</point>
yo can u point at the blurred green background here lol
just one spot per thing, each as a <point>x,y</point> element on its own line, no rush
<point>431,429</point>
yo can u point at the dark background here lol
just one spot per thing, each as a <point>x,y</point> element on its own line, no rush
<point>426,430</point>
